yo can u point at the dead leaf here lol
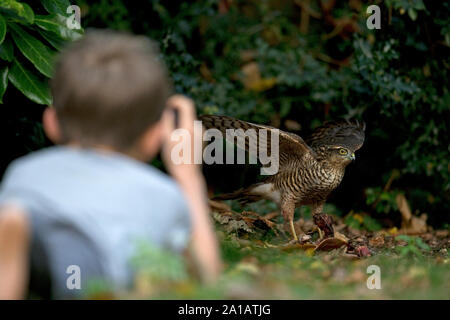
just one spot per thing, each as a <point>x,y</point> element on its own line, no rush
<point>206,73</point>
<point>292,125</point>
<point>305,238</point>
<point>248,55</point>
<point>410,224</point>
<point>248,267</point>
<point>442,233</point>
<point>222,217</point>
<point>252,79</point>
<point>403,206</point>
<point>230,223</point>
<point>377,241</point>
<point>290,247</point>
<point>340,236</point>
<point>258,221</point>
<point>329,244</point>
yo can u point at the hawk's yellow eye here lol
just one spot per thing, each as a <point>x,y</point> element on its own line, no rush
<point>343,151</point>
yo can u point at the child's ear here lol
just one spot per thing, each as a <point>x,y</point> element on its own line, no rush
<point>51,125</point>
<point>150,142</point>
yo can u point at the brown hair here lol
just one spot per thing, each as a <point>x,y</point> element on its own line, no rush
<point>108,88</point>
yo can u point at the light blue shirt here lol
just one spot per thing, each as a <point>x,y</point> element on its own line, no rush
<point>89,208</point>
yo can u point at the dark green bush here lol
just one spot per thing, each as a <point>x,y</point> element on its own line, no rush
<point>269,62</point>
<point>25,37</point>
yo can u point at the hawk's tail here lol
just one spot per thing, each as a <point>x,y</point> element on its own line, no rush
<point>243,195</point>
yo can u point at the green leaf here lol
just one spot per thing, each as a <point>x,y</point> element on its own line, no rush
<point>53,39</point>
<point>2,29</point>
<point>403,237</point>
<point>371,224</point>
<point>17,10</point>
<point>34,50</point>
<point>57,24</point>
<point>33,88</point>
<point>56,6</point>
<point>3,82</point>
<point>412,14</point>
<point>422,245</point>
<point>7,50</point>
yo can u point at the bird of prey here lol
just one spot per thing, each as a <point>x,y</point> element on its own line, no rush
<point>308,169</point>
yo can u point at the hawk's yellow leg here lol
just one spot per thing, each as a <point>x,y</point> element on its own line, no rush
<point>294,234</point>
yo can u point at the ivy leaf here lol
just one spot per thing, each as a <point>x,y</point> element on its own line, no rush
<point>34,50</point>
<point>56,24</point>
<point>56,6</point>
<point>17,10</point>
<point>2,29</point>
<point>6,50</point>
<point>33,88</point>
<point>3,82</point>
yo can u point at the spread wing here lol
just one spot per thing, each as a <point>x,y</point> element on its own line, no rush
<point>290,145</point>
<point>349,134</point>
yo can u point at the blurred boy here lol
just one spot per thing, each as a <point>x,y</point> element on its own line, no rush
<point>86,202</point>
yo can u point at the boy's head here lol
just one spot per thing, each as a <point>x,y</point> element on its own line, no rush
<point>108,89</point>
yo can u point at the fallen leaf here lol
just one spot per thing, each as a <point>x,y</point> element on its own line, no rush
<point>231,224</point>
<point>252,79</point>
<point>292,125</point>
<point>442,233</point>
<point>377,241</point>
<point>247,267</point>
<point>340,236</point>
<point>410,224</point>
<point>289,247</point>
<point>329,244</point>
<point>393,231</point>
<point>403,206</point>
<point>259,221</point>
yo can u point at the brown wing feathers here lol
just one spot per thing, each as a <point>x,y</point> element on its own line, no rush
<point>289,143</point>
<point>348,134</point>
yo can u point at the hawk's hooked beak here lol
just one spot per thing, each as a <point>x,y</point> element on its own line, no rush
<point>352,156</point>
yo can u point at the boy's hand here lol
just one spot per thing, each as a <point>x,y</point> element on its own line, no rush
<point>184,107</point>
<point>189,176</point>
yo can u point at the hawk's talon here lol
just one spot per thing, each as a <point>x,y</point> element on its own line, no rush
<point>321,233</point>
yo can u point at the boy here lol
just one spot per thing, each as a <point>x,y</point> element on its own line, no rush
<point>86,202</point>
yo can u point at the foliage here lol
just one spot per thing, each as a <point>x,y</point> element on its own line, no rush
<point>384,201</point>
<point>25,40</point>
<point>413,246</point>
<point>358,221</point>
<point>253,272</point>
<point>156,263</point>
<point>251,60</point>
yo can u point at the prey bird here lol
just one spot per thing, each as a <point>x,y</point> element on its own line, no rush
<point>308,169</point>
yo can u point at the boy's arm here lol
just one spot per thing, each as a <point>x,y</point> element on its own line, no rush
<point>190,178</point>
<point>14,247</point>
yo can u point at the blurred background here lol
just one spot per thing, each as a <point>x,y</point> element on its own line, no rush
<point>290,64</point>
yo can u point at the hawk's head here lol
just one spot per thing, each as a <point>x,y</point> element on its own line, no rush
<point>339,156</point>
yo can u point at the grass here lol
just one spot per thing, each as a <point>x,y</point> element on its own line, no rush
<point>410,267</point>
<point>254,272</point>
